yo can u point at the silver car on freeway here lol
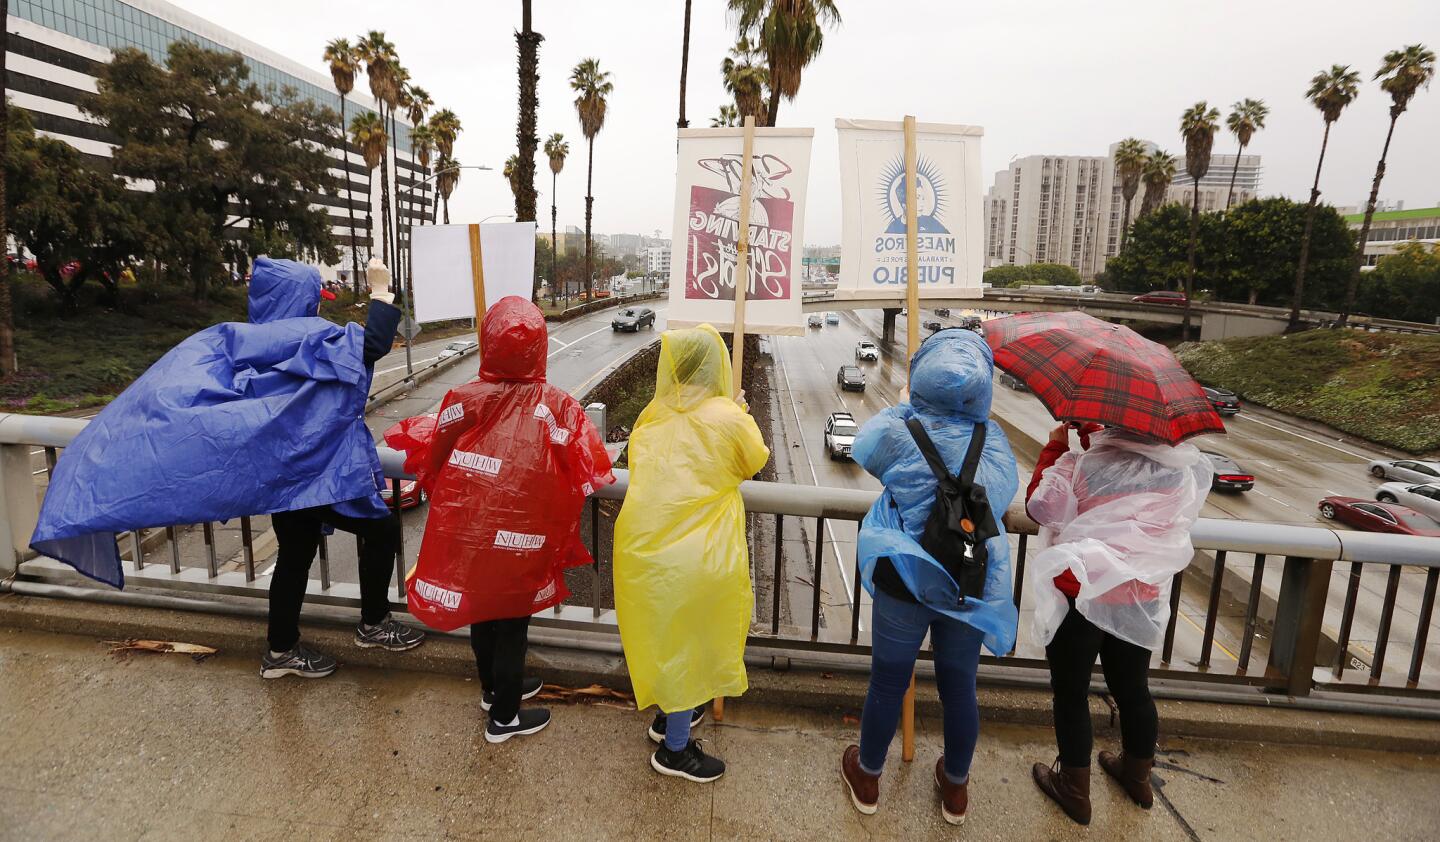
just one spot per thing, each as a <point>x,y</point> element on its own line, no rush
<point>1408,470</point>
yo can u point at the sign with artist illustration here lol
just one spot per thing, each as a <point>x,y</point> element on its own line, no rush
<point>948,207</point>
<point>704,249</point>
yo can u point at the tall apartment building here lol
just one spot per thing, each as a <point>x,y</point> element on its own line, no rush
<point>56,48</point>
<point>657,259</point>
<point>1069,209</point>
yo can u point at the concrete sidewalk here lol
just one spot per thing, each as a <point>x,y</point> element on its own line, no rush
<point>162,747</point>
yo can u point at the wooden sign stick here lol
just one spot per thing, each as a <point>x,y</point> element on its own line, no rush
<point>742,259</point>
<point>477,278</point>
<point>912,343</point>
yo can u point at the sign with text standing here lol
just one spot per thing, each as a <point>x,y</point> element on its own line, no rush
<point>948,210</point>
<point>707,222</point>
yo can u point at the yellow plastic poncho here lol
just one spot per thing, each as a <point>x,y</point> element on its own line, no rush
<point>683,596</point>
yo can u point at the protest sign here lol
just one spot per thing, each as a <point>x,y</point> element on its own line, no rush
<point>456,266</point>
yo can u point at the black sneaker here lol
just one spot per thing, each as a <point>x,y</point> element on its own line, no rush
<point>529,689</point>
<point>301,660</point>
<point>528,721</point>
<point>657,728</point>
<point>689,763</point>
<point>388,634</point>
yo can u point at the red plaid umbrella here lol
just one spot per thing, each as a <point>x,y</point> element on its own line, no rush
<point>1085,369</point>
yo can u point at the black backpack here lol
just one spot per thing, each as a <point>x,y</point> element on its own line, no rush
<point>960,521</point>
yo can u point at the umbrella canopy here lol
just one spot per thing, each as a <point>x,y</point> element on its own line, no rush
<point>1085,369</point>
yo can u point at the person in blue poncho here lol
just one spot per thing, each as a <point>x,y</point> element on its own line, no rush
<point>246,418</point>
<point>914,594</point>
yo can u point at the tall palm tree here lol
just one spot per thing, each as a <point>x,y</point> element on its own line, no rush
<point>1330,91</point>
<point>1246,118</point>
<point>593,86</point>
<point>1402,74</point>
<point>684,67</point>
<point>401,102</point>
<point>1160,167</point>
<point>420,104</point>
<point>729,117</point>
<point>343,64</point>
<point>369,135</point>
<point>555,149</point>
<point>422,143</point>
<point>449,176</point>
<point>446,127</point>
<point>7,308</point>
<point>791,34</point>
<point>746,79</point>
<point>511,171</point>
<point>526,140</point>
<point>379,57</point>
<point>1130,157</point>
<point>1198,125</point>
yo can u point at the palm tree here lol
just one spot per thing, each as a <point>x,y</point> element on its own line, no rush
<point>343,64</point>
<point>446,127</point>
<point>511,171</point>
<point>729,117</point>
<point>682,123</point>
<point>449,175</point>
<point>1330,91</point>
<point>525,138</point>
<point>555,149</point>
<point>746,80</point>
<point>1197,125</point>
<point>791,34</point>
<point>379,57</point>
<point>369,135</point>
<point>422,143</point>
<point>419,105</point>
<point>1130,157</point>
<point>593,86</point>
<point>400,100</point>
<point>1246,118</point>
<point>1159,171</point>
<point>1403,73</point>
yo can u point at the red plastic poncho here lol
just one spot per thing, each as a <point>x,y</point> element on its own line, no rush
<point>507,463</point>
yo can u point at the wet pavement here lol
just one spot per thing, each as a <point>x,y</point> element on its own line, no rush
<point>160,747</point>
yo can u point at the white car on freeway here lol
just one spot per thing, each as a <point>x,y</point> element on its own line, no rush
<point>1409,470</point>
<point>840,430</point>
<point>866,350</point>
<point>1422,498</point>
<point>455,349</point>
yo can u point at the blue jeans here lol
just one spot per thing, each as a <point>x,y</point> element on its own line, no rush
<point>898,629</point>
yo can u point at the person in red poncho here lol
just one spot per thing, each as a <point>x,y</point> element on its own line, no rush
<point>507,463</point>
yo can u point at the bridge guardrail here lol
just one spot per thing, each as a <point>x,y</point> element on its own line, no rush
<point>1301,656</point>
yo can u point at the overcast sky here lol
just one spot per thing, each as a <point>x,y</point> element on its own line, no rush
<point>1052,77</point>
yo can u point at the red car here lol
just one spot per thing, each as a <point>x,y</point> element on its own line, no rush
<point>1161,296</point>
<point>410,493</point>
<point>1372,516</point>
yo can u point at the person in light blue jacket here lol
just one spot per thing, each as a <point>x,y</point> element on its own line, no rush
<point>950,388</point>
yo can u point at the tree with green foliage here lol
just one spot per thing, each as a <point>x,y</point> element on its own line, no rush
<point>1158,172</point>
<point>791,34</point>
<point>220,154</point>
<point>1047,274</point>
<point>1404,284</point>
<point>1246,118</point>
<point>1130,157</point>
<point>594,88</point>
<point>1197,125</point>
<point>7,306</point>
<point>526,137</point>
<point>1330,92</point>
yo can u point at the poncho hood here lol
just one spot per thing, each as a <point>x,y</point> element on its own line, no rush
<point>952,375</point>
<point>283,289</point>
<point>514,342</point>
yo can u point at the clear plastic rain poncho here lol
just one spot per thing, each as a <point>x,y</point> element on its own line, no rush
<point>683,596</point>
<point>950,386</point>
<point>1118,517</point>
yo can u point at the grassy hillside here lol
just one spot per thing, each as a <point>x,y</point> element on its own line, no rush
<point>1379,386</point>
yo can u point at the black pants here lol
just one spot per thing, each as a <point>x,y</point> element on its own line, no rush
<point>500,647</point>
<point>1126,667</point>
<point>298,534</point>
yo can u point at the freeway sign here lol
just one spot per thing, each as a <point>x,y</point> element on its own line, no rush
<point>820,261</point>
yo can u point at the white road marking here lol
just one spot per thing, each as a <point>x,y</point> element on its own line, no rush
<point>564,345</point>
<point>1254,420</point>
<point>413,363</point>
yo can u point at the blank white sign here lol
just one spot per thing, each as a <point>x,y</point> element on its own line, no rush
<point>443,286</point>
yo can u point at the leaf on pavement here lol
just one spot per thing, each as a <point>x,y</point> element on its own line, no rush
<point>194,650</point>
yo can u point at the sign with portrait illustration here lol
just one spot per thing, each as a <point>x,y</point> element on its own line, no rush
<point>707,222</point>
<point>948,195</point>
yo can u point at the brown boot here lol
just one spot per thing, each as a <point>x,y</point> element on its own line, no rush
<point>864,787</point>
<point>1132,773</point>
<point>1068,786</point>
<point>954,798</point>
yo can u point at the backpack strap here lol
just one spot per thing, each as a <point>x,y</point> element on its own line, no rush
<point>927,449</point>
<point>972,456</point>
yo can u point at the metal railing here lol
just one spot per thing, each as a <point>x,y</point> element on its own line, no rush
<point>1310,634</point>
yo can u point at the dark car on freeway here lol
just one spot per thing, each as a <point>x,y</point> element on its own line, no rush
<point>973,323</point>
<point>942,311</point>
<point>850,378</point>
<point>1160,296</point>
<point>1225,401</point>
<point>1010,381</point>
<point>1372,516</point>
<point>933,326</point>
<point>1228,476</point>
<point>632,319</point>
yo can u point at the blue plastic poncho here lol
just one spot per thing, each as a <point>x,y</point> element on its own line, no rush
<point>950,381</point>
<point>239,419</point>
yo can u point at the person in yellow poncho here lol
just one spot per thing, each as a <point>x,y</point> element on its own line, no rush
<point>682,575</point>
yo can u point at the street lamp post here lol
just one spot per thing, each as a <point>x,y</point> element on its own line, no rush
<point>410,252</point>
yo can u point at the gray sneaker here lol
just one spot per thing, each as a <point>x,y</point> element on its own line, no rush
<point>389,634</point>
<point>301,660</point>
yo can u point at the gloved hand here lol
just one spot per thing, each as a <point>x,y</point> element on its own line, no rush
<point>379,279</point>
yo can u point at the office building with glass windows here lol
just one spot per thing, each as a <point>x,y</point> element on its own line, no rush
<point>56,46</point>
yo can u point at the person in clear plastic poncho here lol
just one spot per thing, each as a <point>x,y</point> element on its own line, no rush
<point>1115,523</point>
<point>950,390</point>
<point>682,583</point>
